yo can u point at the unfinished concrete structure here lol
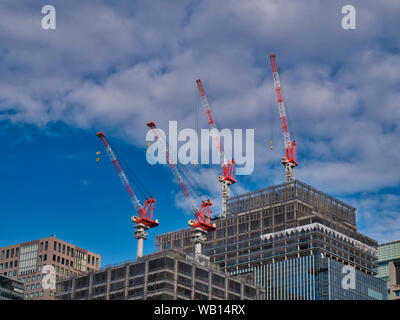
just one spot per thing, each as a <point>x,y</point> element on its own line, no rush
<point>283,222</point>
<point>164,275</point>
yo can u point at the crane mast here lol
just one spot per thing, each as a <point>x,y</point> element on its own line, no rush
<point>144,220</point>
<point>228,167</point>
<point>290,159</point>
<point>202,222</point>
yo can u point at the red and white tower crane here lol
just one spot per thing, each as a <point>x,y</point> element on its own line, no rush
<point>144,220</point>
<point>290,159</point>
<point>202,222</point>
<point>228,166</point>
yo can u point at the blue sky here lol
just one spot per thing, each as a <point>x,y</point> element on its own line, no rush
<point>114,65</point>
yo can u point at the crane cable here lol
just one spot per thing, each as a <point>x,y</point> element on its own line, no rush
<point>132,176</point>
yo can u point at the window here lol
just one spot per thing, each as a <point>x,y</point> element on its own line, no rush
<point>67,262</point>
<point>2,254</point>
<point>63,248</point>
<point>51,293</point>
<point>11,264</point>
<point>184,268</point>
<point>136,269</point>
<point>45,257</point>
<point>10,274</point>
<point>62,261</point>
<point>234,286</point>
<point>39,268</point>
<point>14,273</point>
<point>23,279</point>
<point>97,262</point>
<point>41,246</point>
<point>16,263</point>
<point>72,252</point>
<point>55,245</point>
<point>62,270</point>
<point>33,278</point>
<point>54,257</point>
<point>92,260</point>
<point>59,247</point>
<point>17,252</point>
<point>6,265</point>
<point>40,258</point>
<point>37,285</point>
<point>1,266</point>
<point>12,252</point>
<point>27,287</point>
<point>27,296</point>
<point>36,294</point>
<point>88,258</point>
<point>32,286</point>
<point>58,269</point>
<point>67,251</point>
<point>8,253</point>
<point>41,293</point>
<point>28,279</point>
<point>32,295</point>
<point>58,259</point>
<point>46,245</point>
<point>38,277</point>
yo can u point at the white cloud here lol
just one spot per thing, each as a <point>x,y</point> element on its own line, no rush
<point>119,66</point>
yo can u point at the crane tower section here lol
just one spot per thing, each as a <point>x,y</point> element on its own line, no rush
<point>228,166</point>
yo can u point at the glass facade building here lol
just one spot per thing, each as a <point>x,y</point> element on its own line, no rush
<point>314,278</point>
<point>387,252</point>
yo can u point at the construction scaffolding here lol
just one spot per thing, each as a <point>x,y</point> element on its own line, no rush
<point>284,192</point>
<point>242,238</point>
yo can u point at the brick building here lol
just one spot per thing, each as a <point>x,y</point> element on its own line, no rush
<point>25,262</point>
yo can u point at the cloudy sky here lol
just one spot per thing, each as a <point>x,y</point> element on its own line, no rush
<point>114,65</point>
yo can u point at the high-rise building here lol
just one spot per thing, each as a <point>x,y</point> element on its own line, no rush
<point>30,262</point>
<point>166,275</point>
<point>284,223</point>
<point>387,252</point>
<point>394,282</point>
<point>11,289</point>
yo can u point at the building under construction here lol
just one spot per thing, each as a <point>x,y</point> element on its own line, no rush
<point>164,275</point>
<point>282,223</point>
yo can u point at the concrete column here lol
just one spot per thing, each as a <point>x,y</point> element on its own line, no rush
<point>126,281</point>
<point>108,284</point>
<point>90,286</point>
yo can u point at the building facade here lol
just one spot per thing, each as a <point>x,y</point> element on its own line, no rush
<point>167,275</point>
<point>26,262</point>
<point>11,289</point>
<point>394,282</point>
<point>387,253</point>
<point>282,223</point>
